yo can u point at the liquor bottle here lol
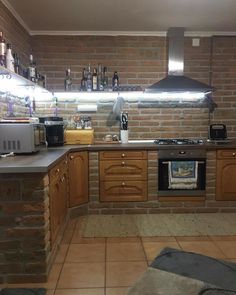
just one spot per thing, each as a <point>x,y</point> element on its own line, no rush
<point>115,81</point>
<point>83,83</point>
<point>16,63</point>
<point>68,81</point>
<point>2,50</point>
<point>89,79</point>
<point>105,79</point>
<point>9,59</point>
<point>100,84</point>
<point>94,80</point>
<point>32,71</point>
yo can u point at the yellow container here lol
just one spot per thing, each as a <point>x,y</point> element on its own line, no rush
<point>79,136</point>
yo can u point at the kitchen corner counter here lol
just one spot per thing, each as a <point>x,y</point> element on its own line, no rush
<point>42,161</point>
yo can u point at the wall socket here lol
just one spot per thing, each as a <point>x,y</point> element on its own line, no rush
<point>196,42</point>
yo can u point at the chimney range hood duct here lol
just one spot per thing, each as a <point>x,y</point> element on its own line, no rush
<point>175,80</point>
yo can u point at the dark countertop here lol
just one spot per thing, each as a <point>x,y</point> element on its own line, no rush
<point>42,161</point>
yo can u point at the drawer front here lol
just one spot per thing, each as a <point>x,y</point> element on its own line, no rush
<point>123,170</point>
<point>226,154</point>
<point>123,191</point>
<point>58,169</point>
<point>123,154</point>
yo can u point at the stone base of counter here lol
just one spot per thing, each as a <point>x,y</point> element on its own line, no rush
<point>24,228</point>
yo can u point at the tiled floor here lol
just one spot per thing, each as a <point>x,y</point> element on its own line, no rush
<point>109,266</point>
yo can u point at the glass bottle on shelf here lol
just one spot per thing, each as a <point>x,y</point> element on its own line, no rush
<point>89,79</point>
<point>115,81</point>
<point>94,80</point>
<point>105,79</point>
<point>68,80</point>
<point>32,71</point>
<point>9,59</point>
<point>16,63</point>
<point>2,50</point>
<point>83,83</point>
<point>100,84</point>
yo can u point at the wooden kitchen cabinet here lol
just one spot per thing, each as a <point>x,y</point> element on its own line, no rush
<point>226,175</point>
<point>123,176</point>
<point>78,178</point>
<point>58,197</point>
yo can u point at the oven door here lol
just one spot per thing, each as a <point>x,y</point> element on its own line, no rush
<point>181,173</point>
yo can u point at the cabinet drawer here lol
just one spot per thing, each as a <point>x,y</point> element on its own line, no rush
<point>123,154</point>
<point>123,191</point>
<point>58,169</point>
<point>226,154</point>
<point>123,170</point>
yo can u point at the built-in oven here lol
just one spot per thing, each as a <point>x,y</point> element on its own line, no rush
<point>181,172</point>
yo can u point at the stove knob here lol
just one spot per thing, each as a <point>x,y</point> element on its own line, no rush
<point>182,152</point>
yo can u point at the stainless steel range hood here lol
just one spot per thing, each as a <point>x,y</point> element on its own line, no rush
<point>175,80</point>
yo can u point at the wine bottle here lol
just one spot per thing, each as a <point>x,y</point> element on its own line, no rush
<point>9,59</point>
<point>89,79</point>
<point>68,81</point>
<point>115,81</point>
<point>100,84</point>
<point>94,80</point>
<point>32,71</point>
<point>16,63</point>
<point>105,79</point>
<point>2,50</point>
<point>83,83</point>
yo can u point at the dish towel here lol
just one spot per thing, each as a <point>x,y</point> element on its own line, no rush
<point>183,174</point>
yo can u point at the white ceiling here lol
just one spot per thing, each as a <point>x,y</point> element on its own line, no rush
<point>148,17</point>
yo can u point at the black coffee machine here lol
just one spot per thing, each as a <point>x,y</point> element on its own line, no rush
<point>54,130</point>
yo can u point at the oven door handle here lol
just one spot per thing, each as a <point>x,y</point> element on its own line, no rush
<point>167,162</point>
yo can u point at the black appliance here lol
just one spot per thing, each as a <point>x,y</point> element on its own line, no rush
<point>217,132</point>
<point>184,153</point>
<point>54,130</point>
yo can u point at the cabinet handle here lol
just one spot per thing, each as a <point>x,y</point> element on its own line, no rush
<point>233,154</point>
<point>57,170</point>
<point>123,163</point>
<point>123,184</point>
<point>71,157</point>
<point>123,155</point>
<point>63,179</point>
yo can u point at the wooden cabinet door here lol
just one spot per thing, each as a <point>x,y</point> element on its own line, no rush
<point>226,180</point>
<point>78,178</point>
<point>55,209</point>
<point>123,191</point>
<point>123,170</point>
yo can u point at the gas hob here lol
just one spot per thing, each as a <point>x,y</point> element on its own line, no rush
<point>178,141</point>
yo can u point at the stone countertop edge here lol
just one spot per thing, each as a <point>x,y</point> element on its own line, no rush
<point>43,161</point>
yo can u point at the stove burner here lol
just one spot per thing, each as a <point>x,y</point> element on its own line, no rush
<point>180,141</point>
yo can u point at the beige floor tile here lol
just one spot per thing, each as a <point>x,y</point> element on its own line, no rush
<point>202,247</point>
<point>61,254</point>
<point>123,240</point>
<point>201,238</point>
<point>116,291</point>
<point>152,249</point>
<point>158,239</point>
<point>124,274</point>
<point>86,253</point>
<point>77,239</point>
<point>91,291</point>
<point>82,275</point>
<point>125,252</point>
<point>223,238</point>
<point>227,247</point>
<point>50,292</point>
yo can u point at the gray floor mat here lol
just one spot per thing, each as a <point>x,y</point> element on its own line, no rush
<point>207,269</point>
<point>23,291</point>
<point>214,291</point>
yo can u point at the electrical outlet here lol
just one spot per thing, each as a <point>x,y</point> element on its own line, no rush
<point>196,42</point>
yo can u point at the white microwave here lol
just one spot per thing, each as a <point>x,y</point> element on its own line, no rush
<point>22,137</point>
